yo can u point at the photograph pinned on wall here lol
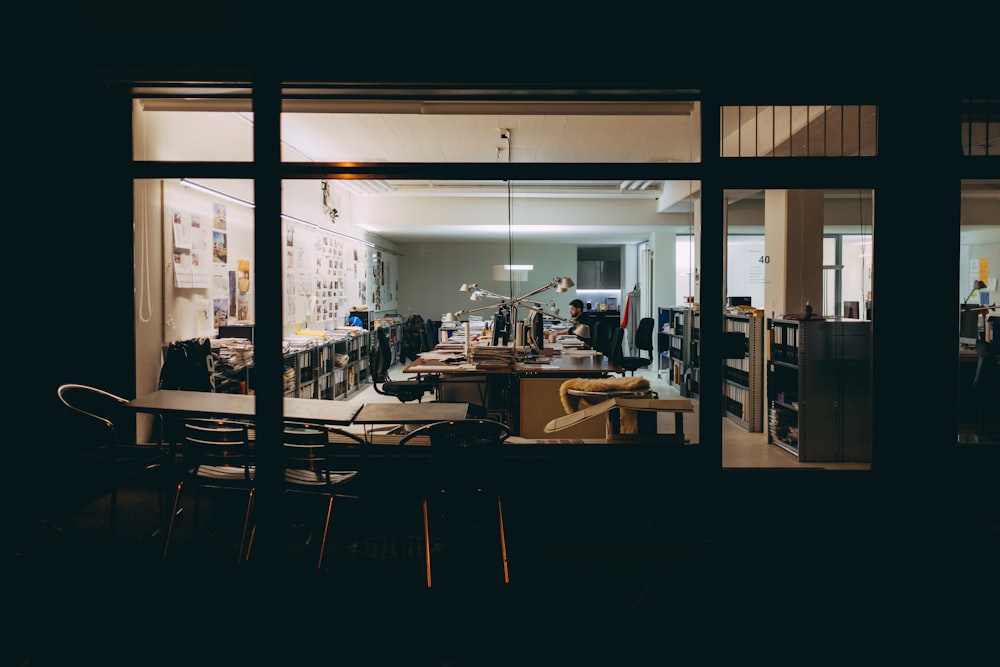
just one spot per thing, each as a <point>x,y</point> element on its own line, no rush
<point>221,311</point>
<point>243,306</point>
<point>220,249</point>
<point>182,230</point>
<point>243,275</point>
<point>218,216</point>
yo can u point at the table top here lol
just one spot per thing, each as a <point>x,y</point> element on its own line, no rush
<point>209,404</point>
<point>571,364</point>
<point>410,413</point>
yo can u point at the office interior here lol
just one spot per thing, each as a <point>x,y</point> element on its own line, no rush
<point>403,246</point>
<point>905,452</point>
<point>83,208</point>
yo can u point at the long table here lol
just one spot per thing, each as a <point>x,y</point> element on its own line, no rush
<point>240,406</point>
<point>373,414</point>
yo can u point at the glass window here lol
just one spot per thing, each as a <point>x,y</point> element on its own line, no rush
<point>429,131</point>
<point>799,131</point>
<point>204,129</point>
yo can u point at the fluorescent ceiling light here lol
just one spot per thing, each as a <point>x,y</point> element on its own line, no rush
<point>326,229</point>
<point>216,193</point>
<point>365,186</point>
<point>518,267</point>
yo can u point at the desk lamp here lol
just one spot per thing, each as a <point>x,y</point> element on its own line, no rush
<point>478,294</point>
<point>976,285</point>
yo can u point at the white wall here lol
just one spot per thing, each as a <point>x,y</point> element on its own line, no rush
<point>431,274</point>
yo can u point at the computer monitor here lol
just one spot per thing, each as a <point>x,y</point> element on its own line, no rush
<point>501,327</point>
<point>968,329</point>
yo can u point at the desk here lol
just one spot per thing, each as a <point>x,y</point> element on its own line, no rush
<point>408,413</point>
<point>539,385</point>
<point>240,406</point>
<point>522,384</point>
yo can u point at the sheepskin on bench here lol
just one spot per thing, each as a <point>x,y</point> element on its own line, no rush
<point>571,403</point>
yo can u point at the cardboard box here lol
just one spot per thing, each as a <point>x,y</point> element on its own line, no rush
<point>653,404</point>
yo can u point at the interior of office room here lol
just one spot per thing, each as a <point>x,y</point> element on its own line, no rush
<point>427,274</point>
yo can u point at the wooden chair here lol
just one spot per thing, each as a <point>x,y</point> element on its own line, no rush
<point>463,470</point>
<point>216,455</point>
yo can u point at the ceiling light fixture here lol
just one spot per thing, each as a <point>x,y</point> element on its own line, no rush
<point>212,191</point>
<point>366,186</point>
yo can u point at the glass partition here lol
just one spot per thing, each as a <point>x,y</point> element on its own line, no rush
<point>979,314</point>
<point>796,345</point>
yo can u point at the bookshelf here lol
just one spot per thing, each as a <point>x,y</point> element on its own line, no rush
<point>743,378</point>
<point>678,345</point>
<point>819,389</point>
<point>332,369</point>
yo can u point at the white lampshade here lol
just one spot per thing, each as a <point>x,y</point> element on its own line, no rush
<point>449,317</point>
<point>470,287</point>
<point>582,330</point>
<point>563,284</point>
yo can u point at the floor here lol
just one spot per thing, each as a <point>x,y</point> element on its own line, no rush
<point>805,570</point>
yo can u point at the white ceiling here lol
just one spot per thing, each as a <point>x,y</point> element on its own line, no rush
<point>593,133</point>
<point>589,212</point>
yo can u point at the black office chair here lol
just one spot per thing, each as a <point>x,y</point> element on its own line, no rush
<point>644,343</point>
<point>404,390</point>
<point>463,471</point>
<point>614,349</point>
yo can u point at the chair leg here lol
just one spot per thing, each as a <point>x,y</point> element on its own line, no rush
<point>427,545</point>
<point>173,515</point>
<point>326,530</point>
<point>503,542</point>
<point>253,534</point>
<point>246,529</point>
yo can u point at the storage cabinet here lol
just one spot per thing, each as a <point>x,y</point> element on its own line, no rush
<point>743,377</point>
<point>819,389</point>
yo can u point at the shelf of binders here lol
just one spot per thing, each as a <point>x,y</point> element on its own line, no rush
<point>743,380</point>
<point>678,343</point>
<point>818,389</point>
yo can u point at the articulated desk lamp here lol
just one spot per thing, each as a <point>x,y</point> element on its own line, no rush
<point>513,303</point>
<point>976,285</point>
<point>980,310</point>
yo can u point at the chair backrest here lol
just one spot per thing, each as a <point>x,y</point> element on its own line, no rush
<point>599,334</point>
<point>311,451</point>
<point>615,351</point>
<point>463,451</point>
<point>98,411</point>
<point>644,335</point>
<point>381,356</point>
<point>220,443</point>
